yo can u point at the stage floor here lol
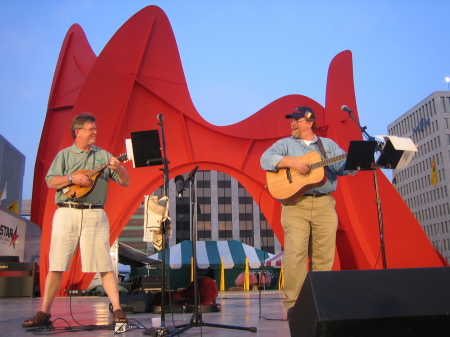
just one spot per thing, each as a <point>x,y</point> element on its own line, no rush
<point>238,308</point>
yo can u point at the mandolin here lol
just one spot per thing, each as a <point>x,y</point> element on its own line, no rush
<point>287,185</point>
<point>75,192</point>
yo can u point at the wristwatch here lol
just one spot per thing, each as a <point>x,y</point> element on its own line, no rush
<point>69,178</point>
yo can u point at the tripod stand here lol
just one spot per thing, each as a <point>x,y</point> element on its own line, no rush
<point>196,319</point>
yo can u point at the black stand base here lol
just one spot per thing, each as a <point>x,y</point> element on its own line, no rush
<point>197,321</point>
<point>156,331</point>
<point>188,308</point>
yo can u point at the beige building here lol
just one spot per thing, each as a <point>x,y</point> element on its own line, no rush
<point>427,124</point>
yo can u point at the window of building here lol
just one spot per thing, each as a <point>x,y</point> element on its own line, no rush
<point>443,104</point>
<point>267,235</point>
<point>246,230</point>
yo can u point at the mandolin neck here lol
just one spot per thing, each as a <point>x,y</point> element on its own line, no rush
<point>97,170</point>
<point>102,167</point>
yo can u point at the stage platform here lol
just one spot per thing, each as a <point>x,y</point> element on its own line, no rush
<point>238,308</point>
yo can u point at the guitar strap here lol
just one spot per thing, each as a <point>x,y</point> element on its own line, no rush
<point>322,150</point>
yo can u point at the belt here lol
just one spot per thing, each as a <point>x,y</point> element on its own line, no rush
<point>78,206</point>
<point>316,195</point>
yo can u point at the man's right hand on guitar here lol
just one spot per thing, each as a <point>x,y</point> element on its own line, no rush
<point>295,163</point>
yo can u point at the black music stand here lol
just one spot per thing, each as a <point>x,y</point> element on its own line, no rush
<point>147,152</point>
<point>361,150</point>
<point>361,155</point>
<point>146,148</point>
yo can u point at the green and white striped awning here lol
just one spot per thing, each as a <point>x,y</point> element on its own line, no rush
<point>209,254</point>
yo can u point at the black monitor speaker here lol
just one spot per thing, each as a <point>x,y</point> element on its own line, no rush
<point>373,303</point>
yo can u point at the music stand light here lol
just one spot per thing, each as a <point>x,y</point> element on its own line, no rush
<point>396,153</point>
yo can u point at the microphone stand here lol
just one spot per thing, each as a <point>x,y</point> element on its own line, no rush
<point>162,330</point>
<point>374,167</point>
<point>196,319</point>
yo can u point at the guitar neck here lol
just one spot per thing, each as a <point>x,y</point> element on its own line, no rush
<point>328,161</point>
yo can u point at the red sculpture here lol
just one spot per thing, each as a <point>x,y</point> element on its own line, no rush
<point>139,75</point>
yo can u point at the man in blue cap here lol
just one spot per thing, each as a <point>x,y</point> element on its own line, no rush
<point>310,221</point>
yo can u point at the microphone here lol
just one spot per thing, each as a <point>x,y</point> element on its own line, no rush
<point>346,108</point>
<point>179,180</point>
<point>192,173</point>
<point>160,117</point>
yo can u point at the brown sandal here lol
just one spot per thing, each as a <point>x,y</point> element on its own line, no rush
<point>39,319</point>
<point>119,316</point>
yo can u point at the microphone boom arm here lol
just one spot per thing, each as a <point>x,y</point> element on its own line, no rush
<point>363,129</point>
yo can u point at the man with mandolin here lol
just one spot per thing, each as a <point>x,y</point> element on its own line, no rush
<point>80,174</point>
<point>302,173</point>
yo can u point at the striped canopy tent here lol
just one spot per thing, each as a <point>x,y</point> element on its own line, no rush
<point>275,261</point>
<point>209,254</point>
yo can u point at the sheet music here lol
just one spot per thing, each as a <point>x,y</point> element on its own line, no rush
<point>130,153</point>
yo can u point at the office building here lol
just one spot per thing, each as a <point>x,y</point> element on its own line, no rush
<point>223,210</point>
<point>427,124</point>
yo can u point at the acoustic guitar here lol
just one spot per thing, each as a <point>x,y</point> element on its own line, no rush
<point>287,185</point>
<point>75,192</point>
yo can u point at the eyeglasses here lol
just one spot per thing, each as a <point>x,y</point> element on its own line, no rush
<point>293,120</point>
<point>89,130</point>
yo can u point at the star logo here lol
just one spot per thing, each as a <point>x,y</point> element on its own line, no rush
<point>14,237</point>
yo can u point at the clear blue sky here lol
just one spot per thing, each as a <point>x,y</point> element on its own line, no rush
<point>238,56</point>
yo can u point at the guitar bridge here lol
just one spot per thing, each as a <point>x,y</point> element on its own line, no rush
<point>288,175</point>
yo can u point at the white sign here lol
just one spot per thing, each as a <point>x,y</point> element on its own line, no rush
<point>12,235</point>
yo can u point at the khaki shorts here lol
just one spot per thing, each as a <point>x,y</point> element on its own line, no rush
<point>88,229</point>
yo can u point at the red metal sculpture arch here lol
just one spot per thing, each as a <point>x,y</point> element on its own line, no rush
<point>139,75</point>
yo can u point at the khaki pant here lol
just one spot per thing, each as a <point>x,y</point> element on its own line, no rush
<point>309,226</point>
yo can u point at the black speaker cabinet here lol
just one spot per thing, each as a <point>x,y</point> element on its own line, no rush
<point>152,282</point>
<point>17,279</point>
<point>369,303</point>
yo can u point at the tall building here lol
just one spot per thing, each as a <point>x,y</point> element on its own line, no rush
<point>424,184</point>
<point>12,170</point>
<point>19,237</point>
<point>223,210</point>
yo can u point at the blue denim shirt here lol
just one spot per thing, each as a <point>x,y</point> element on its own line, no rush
<point>294,147</point>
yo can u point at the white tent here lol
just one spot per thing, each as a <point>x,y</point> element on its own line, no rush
<point>209,254</point>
